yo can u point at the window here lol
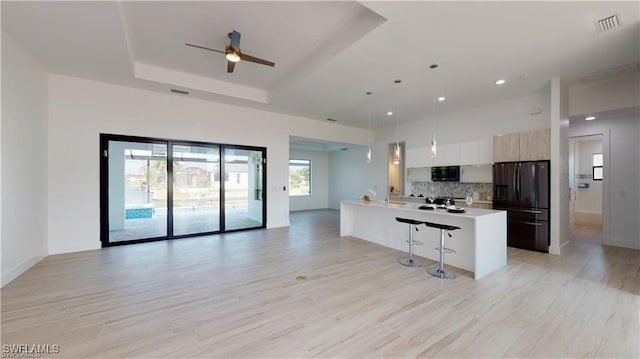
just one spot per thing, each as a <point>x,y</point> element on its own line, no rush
<point>299,177</point>
<point>597,166</point>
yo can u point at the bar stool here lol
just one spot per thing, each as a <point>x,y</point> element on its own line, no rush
<point>409,261</point>
<point>438,270</point>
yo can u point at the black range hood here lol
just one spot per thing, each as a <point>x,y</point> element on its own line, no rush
<point>445,173</point>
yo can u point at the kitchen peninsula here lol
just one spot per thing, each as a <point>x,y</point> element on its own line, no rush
<point>480,245</point>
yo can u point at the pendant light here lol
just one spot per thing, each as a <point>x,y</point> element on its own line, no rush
<point>396,152</point>
<point>369,156</point>
<point>434,144</point>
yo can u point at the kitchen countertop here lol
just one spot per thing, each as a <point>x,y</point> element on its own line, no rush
<point>413,207</point>
<point>415,199</point>
<point>480,243</point>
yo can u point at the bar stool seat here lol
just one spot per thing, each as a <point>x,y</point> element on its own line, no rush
<point>438,270</point>
<point>409,261</point>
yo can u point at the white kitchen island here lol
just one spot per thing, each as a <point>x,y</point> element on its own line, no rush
<point>480,244</point>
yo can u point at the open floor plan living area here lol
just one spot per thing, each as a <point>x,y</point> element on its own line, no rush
<point>320,179</point>
<point>240,295</point>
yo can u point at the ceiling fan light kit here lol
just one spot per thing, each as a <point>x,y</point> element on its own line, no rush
<point>233,54</point>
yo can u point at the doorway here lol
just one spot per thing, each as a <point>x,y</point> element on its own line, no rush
<point>156,189</point>
<point>586,163</point>
<point>396,167</point>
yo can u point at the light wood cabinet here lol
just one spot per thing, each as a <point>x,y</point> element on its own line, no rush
<point>535,145</point>
<point>506,148</point>
<point>522,146</point>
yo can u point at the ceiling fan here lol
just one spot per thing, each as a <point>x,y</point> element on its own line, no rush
<point>233,54</point>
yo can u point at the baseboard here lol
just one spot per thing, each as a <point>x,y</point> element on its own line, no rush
<point>557,250</point>
<point>22,267</point>
<point>622,243</point>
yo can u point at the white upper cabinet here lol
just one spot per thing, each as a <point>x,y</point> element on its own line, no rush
<point>466,153</point>
<point>485,152</point>
<point>418,174</point>
<point>453,154</point>
<point>447,155</point>
<point>476,174</point>
<point>417,157</point>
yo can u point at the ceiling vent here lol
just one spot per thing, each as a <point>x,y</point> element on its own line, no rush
<point>180,92</point>
<point>608,23</point>
<point>610,73</point>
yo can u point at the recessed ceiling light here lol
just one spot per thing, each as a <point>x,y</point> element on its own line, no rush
<point>389,113</point>
<point>500,82</point>
<point>590,118</point>
<point>441,98</point>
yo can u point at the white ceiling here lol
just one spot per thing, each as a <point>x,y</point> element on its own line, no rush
<point>328,54</point>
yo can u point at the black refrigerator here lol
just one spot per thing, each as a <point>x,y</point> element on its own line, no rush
<point>522,189</point>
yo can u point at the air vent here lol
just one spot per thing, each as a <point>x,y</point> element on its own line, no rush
<point>608,23</point>
<point>180,92</point>
<point>331,119</point>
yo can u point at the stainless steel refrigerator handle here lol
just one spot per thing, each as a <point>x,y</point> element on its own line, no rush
<point>525,211</point>
<point>518,182</point>
<point>532,223</point>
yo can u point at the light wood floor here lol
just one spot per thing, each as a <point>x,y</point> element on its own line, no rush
<point>236,295</point>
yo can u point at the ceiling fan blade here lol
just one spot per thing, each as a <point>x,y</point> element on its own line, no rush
<point>235,39</point>
<point>204,48</point>
<point>257,60</point>
<point>230,66</point>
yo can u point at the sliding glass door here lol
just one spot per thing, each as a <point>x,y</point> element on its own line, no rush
<point>137,190</point>
<point>152,189</point>
<point>243,193</point>
<point>196,189</point>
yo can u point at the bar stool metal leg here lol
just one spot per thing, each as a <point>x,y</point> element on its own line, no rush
<point>439,271</point>
<point>410,262</point>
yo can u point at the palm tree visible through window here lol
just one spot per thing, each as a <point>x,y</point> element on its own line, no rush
<point>299,177</point>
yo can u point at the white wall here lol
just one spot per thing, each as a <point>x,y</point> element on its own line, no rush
<point>588,204</point>
<point>559,213</point>
<point>79,110</point>
<point>319,197</point>
<point>611,94</point>
<point>24,154</point>
<point>351,176</point>
<point>620,189</point>
<point>474,124</point>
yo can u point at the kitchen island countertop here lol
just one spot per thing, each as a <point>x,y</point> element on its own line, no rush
<point>480,243</point>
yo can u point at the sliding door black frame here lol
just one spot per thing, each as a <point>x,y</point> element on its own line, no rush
<point>104,185</point>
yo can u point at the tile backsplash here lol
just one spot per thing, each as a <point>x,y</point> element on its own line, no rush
<point>451,189</point>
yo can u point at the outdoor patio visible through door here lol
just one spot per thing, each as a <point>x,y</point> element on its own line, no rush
<point>154,189</point>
